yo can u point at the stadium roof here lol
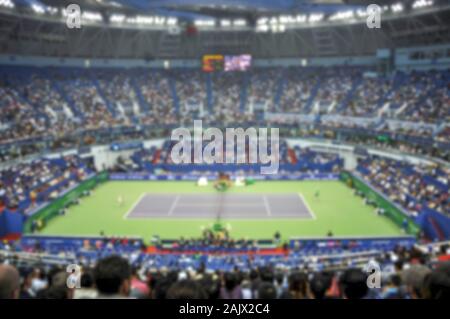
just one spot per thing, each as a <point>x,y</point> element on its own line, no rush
<point>191,9</point>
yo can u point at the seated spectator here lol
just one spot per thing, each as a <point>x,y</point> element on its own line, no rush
<point>353,284</point>
<point>393,288</point>
<point>87,287</point>
<point>437,283</point>
<point>319,285</point>
<point>231,288</point>
<point>9,282</point>
<point>413,279</point>
<point>112,278</point>
<point>186,289</point>
<point>267,291</point>
<point>298,286</point>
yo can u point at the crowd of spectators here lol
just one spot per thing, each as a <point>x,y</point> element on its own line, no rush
<point>297,91</point>
<point>191,92</point>
<point>27,185</point>
<point>367,96</point>
<point>414,187</point>
<point>157,96</point>
<point>262,88</point>
<point>427,96</point>
<point>276,89</point>
<point>61,102</point>
<point>335,86</point>
<point>119,92</point>
<point>85,96</point>
<point>226,99</point>
<point>18,119</point>
<point>405,274</point>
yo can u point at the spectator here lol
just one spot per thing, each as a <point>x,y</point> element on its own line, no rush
<point>437,283</point>
<point>231,288</point>
<point>112,277</point>
<point>319,285</point>
<point>186,289</point>
<point>9,282</point>
<point>394,288</point>
<point>87,289</point>
<point>413,279</point>
<point>353,284</point>
<point>298,286</point>
<point>267,291</point>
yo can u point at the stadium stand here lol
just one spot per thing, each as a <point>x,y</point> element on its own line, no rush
<point>413,187</point>
<point>408,271</point>
<point>340,94</point>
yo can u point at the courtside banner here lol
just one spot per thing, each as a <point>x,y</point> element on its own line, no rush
<point>194,177</point>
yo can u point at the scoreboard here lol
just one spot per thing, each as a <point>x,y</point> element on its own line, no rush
<point>227,63</point>
<point>213,63</point>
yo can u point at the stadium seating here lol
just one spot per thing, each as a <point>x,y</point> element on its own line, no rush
<point>39,258</point>
<point>25,187</point>
<point>413,187</point>
<point>101,98</point>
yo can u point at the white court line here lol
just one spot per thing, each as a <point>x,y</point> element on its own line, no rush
<point>174,204</point>
<point>307,206</point>
<point>266,205</point>
<point>134,205</point>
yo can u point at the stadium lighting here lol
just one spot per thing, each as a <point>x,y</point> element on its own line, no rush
<point>284,19</point>
<point>315,17</point>
<point>7,4</point>
<point>343,15</point>
<point>204,23</point>
<point>262,28</point>
<point>38,8</point>
<point>397,7</point>
<point>239,23</point>
<point>422,4</point>
<point>160,20</point>
<point>262,21</point>
<point>301,18</point>
<point>172,21</point>
<point>277,28</point>
<point>117,18</point>
<point>166,64</point>
<point>225,23</point>
<point>287,19</point>
<point>144,20</point>
<point>361,13</point>
<point>91,16</point>
<point>52,10</point>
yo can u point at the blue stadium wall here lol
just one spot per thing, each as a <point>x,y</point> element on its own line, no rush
<point>402,59</point>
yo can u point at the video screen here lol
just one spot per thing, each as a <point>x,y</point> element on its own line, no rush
<point>227,63</point>
<point>212,63</point>
<point>238,62</point>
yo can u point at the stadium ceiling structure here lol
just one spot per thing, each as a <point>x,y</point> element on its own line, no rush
<point>192,9</point>
<point>151,29</point>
